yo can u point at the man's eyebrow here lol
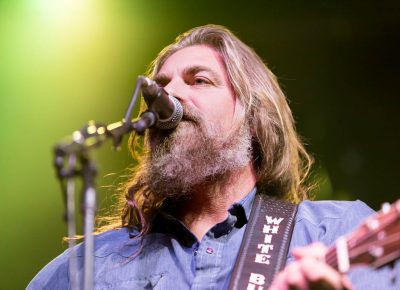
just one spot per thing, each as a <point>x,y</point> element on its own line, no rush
<point>161,79</point>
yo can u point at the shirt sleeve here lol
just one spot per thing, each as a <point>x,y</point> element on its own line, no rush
<point>54,275</point>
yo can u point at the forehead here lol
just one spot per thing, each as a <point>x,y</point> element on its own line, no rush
<point>197,55</point>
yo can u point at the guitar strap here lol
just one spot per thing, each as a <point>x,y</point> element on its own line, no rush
<point>265,244</point>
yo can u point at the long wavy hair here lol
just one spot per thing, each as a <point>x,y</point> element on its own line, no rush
<point>279,157</point>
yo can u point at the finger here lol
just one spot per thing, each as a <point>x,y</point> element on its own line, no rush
<point>295,277</point>
<point>346,283</point>
<point>322,276</point>
<point>291,278</point>
<point>279,282</point>
<point>315,250</point>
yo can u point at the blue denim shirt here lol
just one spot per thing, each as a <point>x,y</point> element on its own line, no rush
<point>173,258</point>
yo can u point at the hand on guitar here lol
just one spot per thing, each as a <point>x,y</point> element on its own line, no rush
<point>375,243</point>
<point>309,271</point>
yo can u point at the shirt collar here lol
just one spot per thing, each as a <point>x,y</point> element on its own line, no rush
<point>247,202</point>
<point>239,214</point>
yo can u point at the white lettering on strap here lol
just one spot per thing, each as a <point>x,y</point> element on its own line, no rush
<point>270,229</point>
<point>262,259</point>
<point>267,239</point>
<point>257,279</point>
<point>254,287</point>
<point>271,220</point>
<point>265,248</point>
<point>267,229</point>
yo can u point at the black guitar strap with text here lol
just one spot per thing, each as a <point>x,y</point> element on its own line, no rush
<point>265,244</point>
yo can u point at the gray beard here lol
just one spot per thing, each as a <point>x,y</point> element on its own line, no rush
<point>194,154</point>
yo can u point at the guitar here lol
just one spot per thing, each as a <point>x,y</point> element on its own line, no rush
<point>375,243</point>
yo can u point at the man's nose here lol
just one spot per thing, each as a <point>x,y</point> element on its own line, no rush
<point>177,89</point>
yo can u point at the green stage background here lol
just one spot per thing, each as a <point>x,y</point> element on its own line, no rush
<point>65,62</point>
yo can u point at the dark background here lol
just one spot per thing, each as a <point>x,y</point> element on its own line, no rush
<point>63,63</point>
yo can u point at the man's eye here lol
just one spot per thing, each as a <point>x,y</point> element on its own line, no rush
<point>201,81</point>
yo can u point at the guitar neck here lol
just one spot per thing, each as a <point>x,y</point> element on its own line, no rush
<point>375,243</point>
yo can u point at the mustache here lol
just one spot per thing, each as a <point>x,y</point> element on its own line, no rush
<point>191,114</point>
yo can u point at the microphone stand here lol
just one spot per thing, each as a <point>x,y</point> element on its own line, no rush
<point>66,155</point>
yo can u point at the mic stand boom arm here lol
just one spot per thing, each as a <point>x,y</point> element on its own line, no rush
<point>65,156</point>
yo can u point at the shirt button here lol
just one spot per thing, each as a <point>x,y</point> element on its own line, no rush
<point>209,250</point>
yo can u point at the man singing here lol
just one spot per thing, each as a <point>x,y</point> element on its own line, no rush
<point>185,209</point>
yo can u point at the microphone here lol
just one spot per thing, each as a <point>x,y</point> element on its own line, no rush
<point>167,108</point>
